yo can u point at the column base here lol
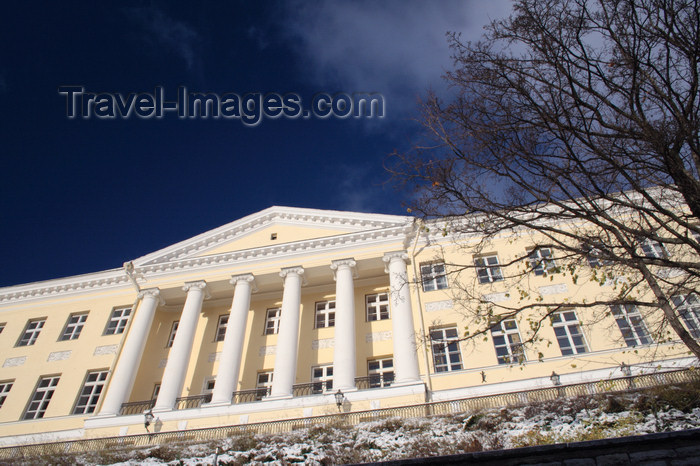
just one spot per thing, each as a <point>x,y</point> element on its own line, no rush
<point>104,415</point>
<point>161,410</point>
<point>216,404</point>
<point>406,382</point>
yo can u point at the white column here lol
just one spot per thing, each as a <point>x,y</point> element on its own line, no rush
<point>344,352</point>
<point>125,371</point>
<point>405,351</point>
<point>232,352</point>
<point>288,338</point>
<point>176,367</point>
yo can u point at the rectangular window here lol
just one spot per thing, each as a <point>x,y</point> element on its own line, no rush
<point>653,249</point>
<point>2,326</point>
<point>568,331</point>
<point>74,326</point>
<point>221,328</point>
<point>631,324</point>
<point>542,261</point>
<point>377,306</point>
<point>41,398</point>
<point>117,321</point>
<point>433,276</point>
<point>688,308</point>
<point>156,391</point>
<point>322,378</point>
<point>173,332</point>
<point>325,314</point>
<point>272,321</point>
<point>31,332</point>
<point>381,372</point>
<point>209,385</point>
<point>446,354</point>
<point>488,269</point>
<point>90,394</point>
<point>507,342</point>
<point>263,384</point>
<point>595,254</point>
<point>5,387</point>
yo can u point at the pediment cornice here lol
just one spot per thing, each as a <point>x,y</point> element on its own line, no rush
<point>276,214</point>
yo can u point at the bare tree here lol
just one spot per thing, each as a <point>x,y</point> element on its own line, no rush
<point>577,121</point>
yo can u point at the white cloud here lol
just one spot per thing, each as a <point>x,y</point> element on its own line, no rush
<point>164,31</point>
<point>398,48</point>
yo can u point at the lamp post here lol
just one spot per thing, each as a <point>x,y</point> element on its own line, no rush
<point>626,370</point>
<point>148,418</point>
<point>555,378</point>
<point>339,397</point>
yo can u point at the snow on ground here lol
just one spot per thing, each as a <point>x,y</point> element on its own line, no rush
<point>577,419</point>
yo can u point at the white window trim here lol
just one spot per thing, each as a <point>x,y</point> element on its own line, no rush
<point>542,264</point>
<point>431,279</point>
<point>441,347</point>
<point>266,386</point>
<point>173,333</point>
<point>491,266</point>
<point>326,311</point>
<point>653,249</point>
<point>72,330</point>
<point>689,312</point>
<point>221,326</point>
<point>638,333</point>
<point>121,321</point>
<point>31,332</point>
<point>46,393</point>
<point>567,325</point>
<point>386,374</point>
<point>5,387</point>
<point>515,349</point>
<point>324,380</point>
<point>274,319</point>
<point>95,389</point>
<point>374,303</point>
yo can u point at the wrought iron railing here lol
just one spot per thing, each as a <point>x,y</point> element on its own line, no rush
<point>374,381</point>
<point>314,388</point>
<point>185,402</point>
<point>625,384</point>
<point>250,396</point>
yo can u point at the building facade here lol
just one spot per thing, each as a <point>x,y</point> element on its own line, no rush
<point>270,316</point>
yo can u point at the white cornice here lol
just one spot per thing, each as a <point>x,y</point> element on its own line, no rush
<point>65,286</point>
<point>290,215</point>
<point>279,251</point>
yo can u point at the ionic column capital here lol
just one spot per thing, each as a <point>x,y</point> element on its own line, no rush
<point>152,293</point>
<point>297,270</point>
<point>393,256</point>
<point>340,264</point>
<point>245,277</point>
<point>197,285</point>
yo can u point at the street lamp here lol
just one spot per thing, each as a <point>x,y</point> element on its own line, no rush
<point>626,370</point>
<point>148,418</point>
<point>339,397</point>
<point>555,378</point>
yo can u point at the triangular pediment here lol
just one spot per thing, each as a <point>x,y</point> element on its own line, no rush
<point>275,225</point>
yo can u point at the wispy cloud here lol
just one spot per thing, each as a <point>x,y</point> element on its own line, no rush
<point>160,31</point>
<point>397,47</point>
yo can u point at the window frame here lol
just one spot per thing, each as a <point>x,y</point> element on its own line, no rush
<point>379,308</point>
<point>320,384</point>
<point>121,321</point>
<point>47,393</point>
<point>445,347</point>
<point>5,387</point>
<point>29,335</point>
<point>633,336</point>
<point>383,375</point>
<point>431,279</point>
<point>326,310</point>
<point>689,312</point>
<point>93,398</point>
<point>275,320</point>
<point>515,351</point>
<point>265,387</point>
<point>653,249</point>
<point>72,330</point>
<point>488,273</point>
<point>570,330</point>
<point>173,333</point>
<point>540,264</point>
<point>221,327</point>
<point>2,326</point>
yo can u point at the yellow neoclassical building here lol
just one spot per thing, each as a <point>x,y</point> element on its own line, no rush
<point>269,316</point>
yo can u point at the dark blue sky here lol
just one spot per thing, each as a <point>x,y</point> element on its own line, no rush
<point>83,195</point>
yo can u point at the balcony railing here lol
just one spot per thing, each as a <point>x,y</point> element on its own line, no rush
<point>257,394</point>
